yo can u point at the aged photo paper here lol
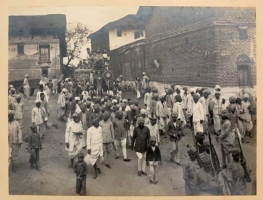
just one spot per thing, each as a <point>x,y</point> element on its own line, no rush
<point>141,99</point>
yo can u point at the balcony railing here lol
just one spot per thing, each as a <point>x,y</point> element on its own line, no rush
<point>44,60</point>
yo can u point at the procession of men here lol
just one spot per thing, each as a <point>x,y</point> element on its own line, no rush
<point>97,126</point>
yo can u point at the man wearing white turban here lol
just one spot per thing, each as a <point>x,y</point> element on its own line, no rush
<point>38,115</point>
<point>26,86</point>
<point>247,109</point>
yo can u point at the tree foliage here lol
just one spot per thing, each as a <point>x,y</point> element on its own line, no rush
<point>76,38</point>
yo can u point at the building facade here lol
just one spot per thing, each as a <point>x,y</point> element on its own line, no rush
<point>36,46</point>
<point>126,30</point>
<point>195,46</point>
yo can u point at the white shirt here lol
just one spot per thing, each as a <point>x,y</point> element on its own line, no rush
<point>147,98</point>
<point>198,112</point>
<point>154,131</point>
<point>205,103</point>
<point>45,94</point>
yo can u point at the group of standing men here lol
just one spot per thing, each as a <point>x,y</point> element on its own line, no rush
<point>101,125</point>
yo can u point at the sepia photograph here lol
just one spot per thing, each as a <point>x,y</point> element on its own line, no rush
<point>132,101</point>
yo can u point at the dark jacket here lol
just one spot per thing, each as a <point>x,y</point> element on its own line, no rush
<point>141,138</point>
<point>175,132</point>
<point>95,116</point>
<point>81,169</point>
<point>70,107</point>
<point>153,155</point>
<point>34,141</point>
<point>89,114</point>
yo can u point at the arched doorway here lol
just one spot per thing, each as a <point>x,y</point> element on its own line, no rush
<point>244,71</point>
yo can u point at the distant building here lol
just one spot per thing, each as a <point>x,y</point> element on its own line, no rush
<point>194,46</point>
<point>120,32</point>
<point>36,46</point>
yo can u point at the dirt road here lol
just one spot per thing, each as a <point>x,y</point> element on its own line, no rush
<point>56,178</point>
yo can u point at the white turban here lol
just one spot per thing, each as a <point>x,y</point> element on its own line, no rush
<point>246,96</point>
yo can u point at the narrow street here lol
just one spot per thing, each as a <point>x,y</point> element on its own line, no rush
<point>56,178</point>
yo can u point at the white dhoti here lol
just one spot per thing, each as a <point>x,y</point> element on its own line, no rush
<point>138,94</point>
<point>198,127</point>
<point>217,122</point>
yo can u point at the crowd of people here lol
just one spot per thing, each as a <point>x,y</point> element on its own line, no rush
<point>96,126</point>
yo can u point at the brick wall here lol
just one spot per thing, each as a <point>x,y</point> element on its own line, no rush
<point>204,57</point>
<point>180,62</point>
<point>229,47</point>
<point>165,19</point>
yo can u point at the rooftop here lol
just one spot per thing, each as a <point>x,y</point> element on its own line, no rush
<point>26,26</point>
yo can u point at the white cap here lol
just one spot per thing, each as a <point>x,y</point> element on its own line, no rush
<point>192,90</point>
<point>177,87</point>
<point>246,96</point>
<point>37,101</point>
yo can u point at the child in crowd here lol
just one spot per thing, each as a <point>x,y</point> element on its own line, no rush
<point>34,144</point>
<point>153,158</point>
<point>81,170</point>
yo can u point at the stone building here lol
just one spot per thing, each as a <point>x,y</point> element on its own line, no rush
<point>36,46</point>
<point>195,47</point>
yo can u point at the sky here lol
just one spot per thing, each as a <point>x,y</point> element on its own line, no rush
<point>95,17</point>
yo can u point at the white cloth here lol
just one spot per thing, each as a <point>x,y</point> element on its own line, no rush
<point>154,131</point>
<point>141,161</point>
<point>121,143</point>
<point>72,138</point>
<point>161,109</point>
<point>147,99</point>
<point>45,94</point>
<point>78,110</point>
<point>205,104</point>
<point>145,81</point>
<point>85,95</point>
<point>38,115</point>
<point>178,108</point>
<point>185,101</point>
<point>95,143</point>
<point>198,112</point>
<point>190,102</point>
<point>198,127</point>
<point>216,107</point>
<point>138,94</point>
<point>248,124</point>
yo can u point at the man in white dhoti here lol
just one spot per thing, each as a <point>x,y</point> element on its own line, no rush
<point>145,81</point>
<point>198,115</point>
<point>26,86</point>
<point>148,99</point>
<point>73,138</point>
<point>205,103</point>
<point>62,103</point>
<point>216,107</point>
<point>190,102</point>
<point>14,139</point>
<point>247,108</point>
<point>95,146</point>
